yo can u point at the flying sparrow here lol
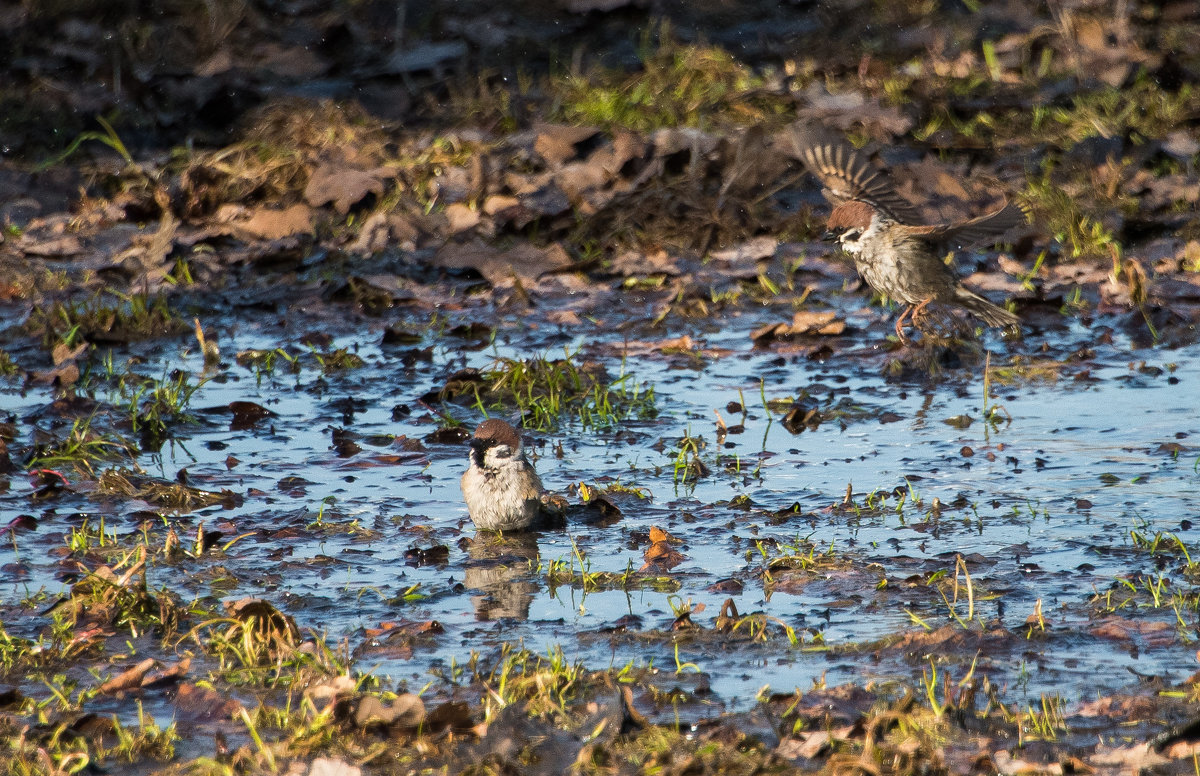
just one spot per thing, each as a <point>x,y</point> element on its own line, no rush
<point>895,254</point>
<point>501,488</point>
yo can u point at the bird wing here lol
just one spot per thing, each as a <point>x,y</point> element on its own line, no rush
<point>972,231</point>
<point>847,174</point>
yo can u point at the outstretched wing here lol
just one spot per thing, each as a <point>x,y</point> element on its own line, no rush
<point>847,174</point>
<point>972,231</point>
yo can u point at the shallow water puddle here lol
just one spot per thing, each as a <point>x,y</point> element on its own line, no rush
<point>1061,504</point>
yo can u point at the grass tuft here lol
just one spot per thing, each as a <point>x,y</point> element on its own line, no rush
<point>546,390</point>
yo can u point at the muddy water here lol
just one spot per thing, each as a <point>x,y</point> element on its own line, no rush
<point>1041,508</point>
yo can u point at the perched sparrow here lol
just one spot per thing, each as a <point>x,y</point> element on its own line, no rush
<point>894,253</point>
<point>502,491</point>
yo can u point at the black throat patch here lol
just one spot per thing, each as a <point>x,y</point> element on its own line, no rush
<point>479,448</point>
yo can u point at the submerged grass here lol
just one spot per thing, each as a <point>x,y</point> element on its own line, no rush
<point>1082,235</point>
<point>154,405</point>
<point>545,390</point>
<point>82,447</point>
<point>108,316</point>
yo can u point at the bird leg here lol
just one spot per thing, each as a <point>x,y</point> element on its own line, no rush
<point>918,313</point>
<point>904,340</point>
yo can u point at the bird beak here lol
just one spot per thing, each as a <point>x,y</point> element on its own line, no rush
<point>478,448</point>
<point>829,236</point>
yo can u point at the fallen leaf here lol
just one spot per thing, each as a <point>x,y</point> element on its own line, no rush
<point>639,263</point>
<point>263,223</point>
<point>246,415</point>
<point>197,705</point>
<point>1007,765</point>
<point>56,248</point>
<point>1133,759</point>
<point>804,323</point>
<point>408,710</point>
<point>845,109</point>
<point>659,535</point>
<point>63,352</point>
<point>750,252</point>
<point>805,746</point>
<point>662,555</point>
<point>325,766</point>
<point>342,185</point>
<point>461,217</point>
<point>62,375</point>
<point>129,678</point>
<point>168,675</point>
<point>523,261</point>
<point>559,143</point>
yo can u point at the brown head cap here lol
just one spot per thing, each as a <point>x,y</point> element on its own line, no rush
<point>496,431</point>
<point>853,214</point>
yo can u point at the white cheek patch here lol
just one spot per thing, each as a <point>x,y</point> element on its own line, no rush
<point>851,246</point>
<point>856,244</point>
<point>497,456</point>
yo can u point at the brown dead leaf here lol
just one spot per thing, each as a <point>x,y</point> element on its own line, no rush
<point>63,352</point>
<point>1132,759</point>
<point>579,178</point>
<point>406,711</point>
<point>1181,749</point>
<point>932,176</point>
<point>672,140</point>
<point>340,686</point>
<point>747,254</point>
<point>343,186</point>
<point>659,535</point>
<point>559,143</point>
<point>387,629</point>
<point>805,746</point>
<point>523,261</point>
<point>292,62</point>
<point>326,766</point>
<point>1181,145</point>
<point>373,235</point>
<point>1119,629</point>
<point>1126,708</point>
<point>568,318</point>
<point>499,203</point>
<point>247,415</point>
<point>263,223</point>
<point>129,678</point>
<point>461,217</point>
<point>947,637</point>
<point>663,556</point>
<point>63,375</point>
<point>805,323</point>
<point>54,248</point>
<point>197,705</point>
<point>845,109</point>
<point>1007,765</point>
<point>168,675</point>
<point>147,255</point>
<point>651,262</point>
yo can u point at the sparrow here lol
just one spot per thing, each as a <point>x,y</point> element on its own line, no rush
<point>894,253</point>
<point>501,488</point>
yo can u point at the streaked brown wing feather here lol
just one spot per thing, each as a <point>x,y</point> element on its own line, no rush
<point>972,231</point>
<point>848,174</point>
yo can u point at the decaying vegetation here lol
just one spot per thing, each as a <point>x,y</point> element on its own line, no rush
<point>524,182</point>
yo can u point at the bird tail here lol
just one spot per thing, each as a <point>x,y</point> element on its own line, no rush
<point>984,310</point>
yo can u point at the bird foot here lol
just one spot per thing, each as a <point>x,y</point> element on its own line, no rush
<point>900,335</point>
